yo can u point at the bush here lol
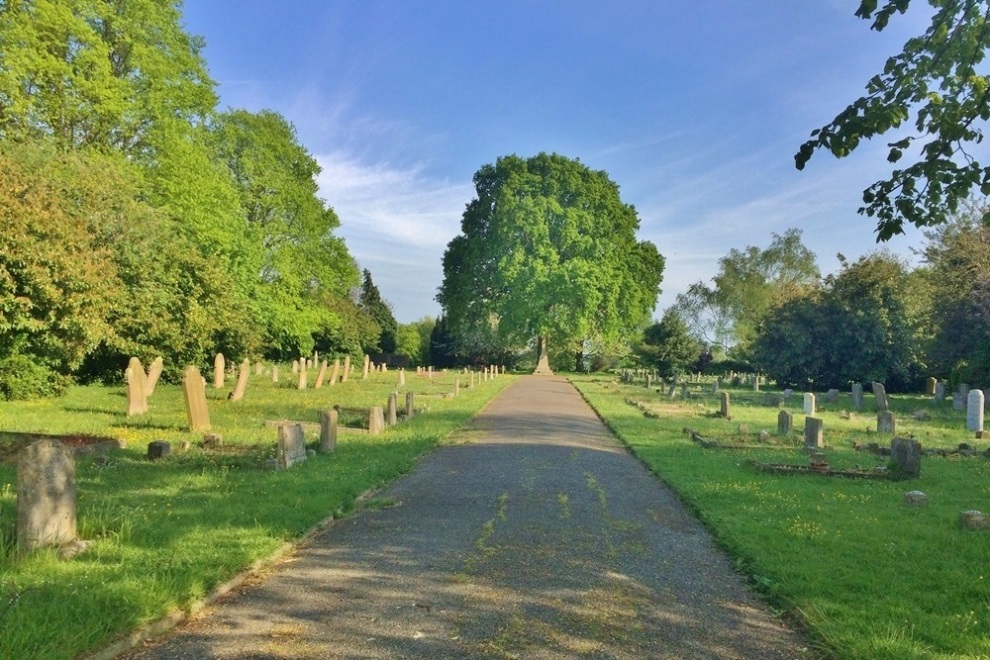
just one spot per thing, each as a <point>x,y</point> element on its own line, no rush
<point>21,377</point>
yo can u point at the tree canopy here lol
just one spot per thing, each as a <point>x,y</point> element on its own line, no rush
<point>547,249</point>
<point>937,78</point>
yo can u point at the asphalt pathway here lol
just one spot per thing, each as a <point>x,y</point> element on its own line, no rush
<point>535,534</point>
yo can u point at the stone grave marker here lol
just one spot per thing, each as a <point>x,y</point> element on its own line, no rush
<point>274,373</point>
<point>376,420</point>
<point>392,417</point>
<point>814,432</point>
<point>158,449</point>
<point>321,376</point>
<point>832,396</point>
<point>242,381</point>
<point>409,406</point>
<point>974,520</point>
<point>336,372</point>
<point>457,387</point>
<point>295,366</point>
<point>809,403</point>
<point>347,369</point>
<point>367,365</point>
<point>291,446</point>
<point>328,430</point>
<point>301,380</point>
<point>46,495</point>
<point>154,373</point>
<point>880,393</point>
<point>472,379</point>
<point>137,394</point>
<point>785,422</point>
<point>194,395</point>
<point>724,410</point>
<point>905,454</point>
<point>958,401</point>
<point>684,390</point>
<point>756,383</point>
<point>974,410</point>
<point>885,422</point>
<point>930,386</point>
<point>940,391</point>
<point>964,388</point>
<point>219,365</point>
<point>259,367</point>
<point>402,377</point>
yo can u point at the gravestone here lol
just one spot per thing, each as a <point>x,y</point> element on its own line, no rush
<point>788,393</point>
<point>376,420</point>
<point>409,406</point>
<point>974,410</point>
<point>194,395</point>
<point>915,498</point>
<point>219,365</point>
<point>301,381</point>
<point>259,367</point>
<point>321,375</point>
<point>402,377</point>
<point>785,423</point>
<point>756,383</point>
<point>958,401</point>
<point>880,393</point>
<point>964,388</point>
<point>154,373</point>
<point>291,446</point>
<point>367,365</point>
<point>974,520</point>
<point>274,373</point>
<point>940,391</point>
<point>857,395</point>
<point>814,432</point>
<point>684,390</point>
<point>649,381</point>
<point>295,366</point>
<point>724,405</point>
<point>335,372</point>
<point>457,387</point>
<point>158,449</point>
<point>717,385</point>
<point>809,403</point>
<point>885,422</point>
<point>242,381</point>
<point>392,416</point>
<point>930,386</point>
<point>137,399</point>
<point>347,369</point>
<point>905,454</point>
<point>328,430</point>
<point>46,495</point>
<point>832,396</point>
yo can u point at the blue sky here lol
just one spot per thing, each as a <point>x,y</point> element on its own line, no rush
<point>694,108</point>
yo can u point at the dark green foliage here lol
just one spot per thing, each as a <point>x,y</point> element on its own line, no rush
<point>442,351</point>
<point>372,303</point>
<point>669,347</point>
<point>935,78</point>
<point>22,377</point>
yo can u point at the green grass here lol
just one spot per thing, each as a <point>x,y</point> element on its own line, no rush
<point>866,575</point>
<point>167,532</point>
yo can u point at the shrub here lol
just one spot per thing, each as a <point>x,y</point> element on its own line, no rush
<point>21,377</point>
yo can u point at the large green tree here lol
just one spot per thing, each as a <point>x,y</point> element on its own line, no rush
<point>547,250</point>
<point>669,346</point>
<point>377,308</point>
<point>937,78</point>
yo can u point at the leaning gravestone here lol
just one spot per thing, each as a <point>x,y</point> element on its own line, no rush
<point>328,430</point>
<point>154,373</point>
<point>291,446</point>
<point>857,396</point>
<point>218,371</point>
<point>785,422</point>
<point>814,432</point>
<point>194,395</point>
<point>724,410</point>
<point>885,422</point>
<point>321,375</point>
<point>335,372</point>
<point>880,393</point>
<point>905,454</point>
<point>809,403</point>
<point>46,495</point>
<point>974,410</point>
<point>137,394</point>
<point>376,420</point>
<point>242,381</point>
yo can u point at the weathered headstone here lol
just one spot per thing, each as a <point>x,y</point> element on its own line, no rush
<point>809,403</point>
<point>930,386</point>
<point>785,422</point>
<point>915,498</point>
<point>301,380</point>
<point>392,415</point>
<point>940,391</point>
<point>814,432</point>
<point>832,396</point>
<point>409,406</point>
<point>295,366</point>
<point>367,365</point>
<point>274,373</point>
<point>242,381</point>
<point>259,367</point>
<point>724,409</point>
<point>974,520</point>
<point>219,365</point>
<point>291,446</point>
<point>376,420</point>
<point>756,383</point>
<point>684,390</point>
<point>158,449</point>
<point>328,430</point>
<point>194,395</point>
<point>336,371</point>
<point>402,377</point>
<point>154,373</point>
<point>347,369</point>
<point>886,422</point>
<point>974,410</point>
<point>958,401</point>
<point>905,454</point>
<point>46,495</point>
<point>457,387</point>
<point>880,394</point>
<point>321,376</point>
<point>137,397</point>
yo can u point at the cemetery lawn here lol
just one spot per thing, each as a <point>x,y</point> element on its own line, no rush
<point>166,533</point>
<point>865,574</point>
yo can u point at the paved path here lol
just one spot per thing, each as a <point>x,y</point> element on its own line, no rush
<point>538,536</point>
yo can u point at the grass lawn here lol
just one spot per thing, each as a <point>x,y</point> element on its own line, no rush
<point>867,575</point>
<point>167,532</point>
